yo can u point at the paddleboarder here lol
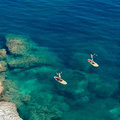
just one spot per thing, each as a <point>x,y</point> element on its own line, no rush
<point>59,79</point>
<point>59,74</point>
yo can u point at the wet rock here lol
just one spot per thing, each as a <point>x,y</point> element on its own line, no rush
<point>8,111</point>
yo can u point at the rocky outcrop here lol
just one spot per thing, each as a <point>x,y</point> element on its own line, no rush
<point>8,111</point>
<point>1,88</point>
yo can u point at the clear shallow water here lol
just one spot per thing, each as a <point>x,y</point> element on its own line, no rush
<point>71,30</point>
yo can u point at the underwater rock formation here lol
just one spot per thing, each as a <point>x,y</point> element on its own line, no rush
<point>30,61</point>
<point>46,113</point>
<point>27,53</point>
<point>2,54</point>
<point>99,87</point>
<point>16,44</point>
<point>3,66</point>
<point>79,62</point>
<point>115,112</point>
<point>1,88</point>
<point>25,62</point>
<point>12,93</point>
<point>8,111</point>
<point>104,90</point>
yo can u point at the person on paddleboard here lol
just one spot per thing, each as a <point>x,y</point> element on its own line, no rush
<point>91,57</point>
<point>59,74</point>
<point>59,79</point>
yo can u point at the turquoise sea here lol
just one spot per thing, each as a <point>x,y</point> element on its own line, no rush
<point>54,36</point>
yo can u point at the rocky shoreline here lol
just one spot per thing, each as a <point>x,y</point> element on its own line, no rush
<point>19,53</point>
<point>8,110</point>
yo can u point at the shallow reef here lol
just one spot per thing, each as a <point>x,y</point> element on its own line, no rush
<point>27,71</point>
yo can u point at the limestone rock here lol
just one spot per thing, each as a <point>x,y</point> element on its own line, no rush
<point>1,118</point>
<point>1,88</point>
<point>8,111</point>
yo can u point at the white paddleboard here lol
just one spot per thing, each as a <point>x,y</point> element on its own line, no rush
<point>60,80</point>
<point>93,63</point>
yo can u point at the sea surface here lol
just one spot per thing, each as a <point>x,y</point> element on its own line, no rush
<point>66,33</point>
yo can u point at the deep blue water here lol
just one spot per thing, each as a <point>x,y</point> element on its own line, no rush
<point>71,29</point>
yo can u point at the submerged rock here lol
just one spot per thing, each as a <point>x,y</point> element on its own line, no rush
<point>3,66</point>
<point>2,54</point>
<point>24,62</point>
<point>2,76</point>
<point>79,62</point>
<point>8,111</point>
<point>17,44</point>
<point>46,113</point>
<point>115,112</point>
<point>12,92</point>
<point>25,53</point>
<point>104,90</point>
<point>34,60</point>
